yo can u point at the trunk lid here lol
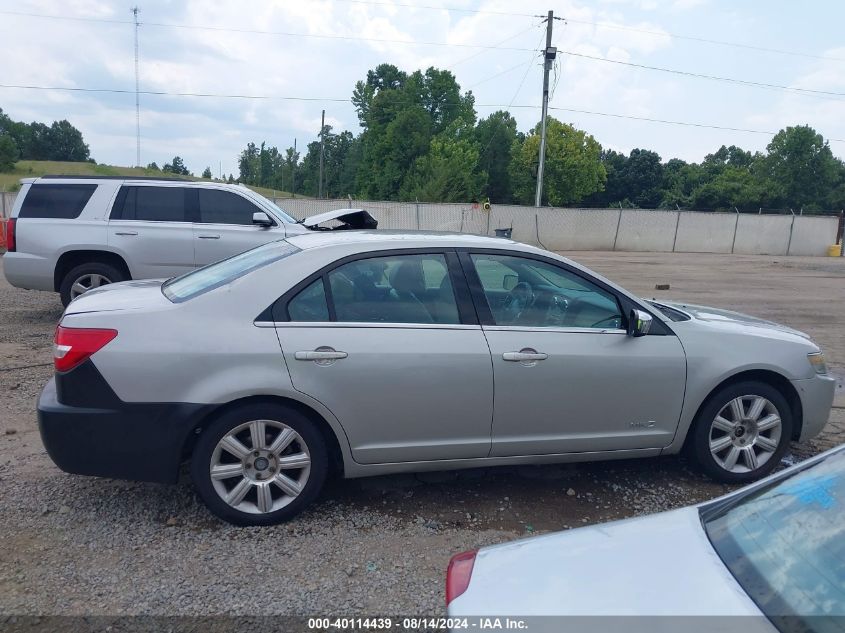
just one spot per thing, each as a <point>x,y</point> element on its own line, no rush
<point>125,295</point>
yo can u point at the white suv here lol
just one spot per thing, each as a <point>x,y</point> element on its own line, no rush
<point>70,234</point>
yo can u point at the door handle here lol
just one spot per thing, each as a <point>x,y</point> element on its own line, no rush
<point>126,233</point>
<point>321,355</point>
<point>209,237</point>
<point>526,355</point>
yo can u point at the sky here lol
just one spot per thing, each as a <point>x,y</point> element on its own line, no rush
<point>314,51</point>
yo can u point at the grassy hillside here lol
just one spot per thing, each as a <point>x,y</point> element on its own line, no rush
<point>9,181</point>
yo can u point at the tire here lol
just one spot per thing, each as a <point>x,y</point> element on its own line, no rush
<point>97,273</point>
<point>742,450</point>
<point>261,489</point>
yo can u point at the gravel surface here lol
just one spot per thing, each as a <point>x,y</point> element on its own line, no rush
<point>77,545</point>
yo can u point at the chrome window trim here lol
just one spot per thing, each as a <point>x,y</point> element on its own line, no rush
<point>364,324</point>
<point>561,330</point>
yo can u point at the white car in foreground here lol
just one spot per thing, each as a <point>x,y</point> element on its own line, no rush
<point>774,550</point>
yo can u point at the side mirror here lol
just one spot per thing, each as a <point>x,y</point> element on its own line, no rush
<point>509,282</point>
<point>262,219</point>
<point>639,323</point>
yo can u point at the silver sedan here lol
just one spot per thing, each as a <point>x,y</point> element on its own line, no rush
<point>365,353</point>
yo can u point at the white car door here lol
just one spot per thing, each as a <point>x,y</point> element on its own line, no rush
<point>225,227</point>
<point>151,227</point>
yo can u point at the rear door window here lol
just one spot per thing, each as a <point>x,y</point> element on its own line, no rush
<point>224,207</point>
<point>63,202</point>
<point>152,204</point>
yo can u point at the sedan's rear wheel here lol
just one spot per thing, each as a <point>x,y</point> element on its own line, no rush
<point>742,432</point>
<point>260,464</point>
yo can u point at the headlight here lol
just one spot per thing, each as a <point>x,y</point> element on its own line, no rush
<point>817,361</point>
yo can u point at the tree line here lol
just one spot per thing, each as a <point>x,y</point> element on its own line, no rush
<point>421,140</point>
<point>39,141</point>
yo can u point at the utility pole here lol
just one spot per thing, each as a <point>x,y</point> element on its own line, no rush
<point>549,55</point>
<point>322,127</point>
<point>293,172</point>
<point>137,95</point>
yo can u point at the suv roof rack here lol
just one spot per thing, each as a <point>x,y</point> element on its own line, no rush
<point>78,177</point>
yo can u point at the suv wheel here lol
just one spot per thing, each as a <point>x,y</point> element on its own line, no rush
<point>742,432</point>
<point>259,464</point>
<point>82,278</point>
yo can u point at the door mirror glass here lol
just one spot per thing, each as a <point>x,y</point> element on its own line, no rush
<point>261,219</point>
<point>639,323</point>
<point>509,282</point>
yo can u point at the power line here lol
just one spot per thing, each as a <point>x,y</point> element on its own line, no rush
<point>685,73</point>
<point>496,45</point>
<point>436,8</point>
<point>702,40</point>
<point>670,122</point>
<point>445,103</point>
<point>227,29</point>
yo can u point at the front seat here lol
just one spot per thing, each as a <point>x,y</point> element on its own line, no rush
<point>407,285</point>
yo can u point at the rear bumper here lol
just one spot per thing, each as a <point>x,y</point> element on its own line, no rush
<point>816,399</point>
<point>138,441</point>
<point>32,272</point>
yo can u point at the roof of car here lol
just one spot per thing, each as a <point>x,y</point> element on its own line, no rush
<point>398,239</point>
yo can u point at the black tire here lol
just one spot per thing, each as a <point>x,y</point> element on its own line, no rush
<point>111,273</point>
<point>703,426</point>
<point>207,443</point>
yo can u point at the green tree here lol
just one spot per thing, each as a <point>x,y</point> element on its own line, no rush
<point>64,142</point>
<point>449,172</point>
<point>176,166</point>
<point>800,167</point>
<point>8,152</point>
<point>496,136</point>
<point>206,173</point>
<point>733,187</point>
<point>339,164</point>
<point>154,166</point>
<point>573,167</point>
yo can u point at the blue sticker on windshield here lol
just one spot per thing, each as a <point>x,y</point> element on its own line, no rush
<point>813,490</point>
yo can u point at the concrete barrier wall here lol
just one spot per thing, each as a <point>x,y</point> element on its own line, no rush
<point>706,232</point>
<point>763,234</point>
<point>812,236</point>
<point>591,229</point>
<point>645,230</point>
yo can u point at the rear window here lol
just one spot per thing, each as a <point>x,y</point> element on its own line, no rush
<point>208,278</point>
<point>63,202</point>
<point>151,204</point>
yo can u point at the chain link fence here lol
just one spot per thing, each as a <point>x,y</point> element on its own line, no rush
<point>567,229</point>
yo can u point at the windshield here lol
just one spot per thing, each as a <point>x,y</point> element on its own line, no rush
<point>277,210</point>
<point>213,276</point>
<point>785,544</point>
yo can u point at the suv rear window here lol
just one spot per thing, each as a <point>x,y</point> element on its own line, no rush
<point>63,202</point>
<point>152,204</point>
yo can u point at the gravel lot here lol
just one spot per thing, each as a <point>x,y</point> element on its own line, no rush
<point>76,545</point>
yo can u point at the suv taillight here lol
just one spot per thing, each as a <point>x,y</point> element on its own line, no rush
<point>10,235</point>
<point>74,345</point>
<point>459,574</point>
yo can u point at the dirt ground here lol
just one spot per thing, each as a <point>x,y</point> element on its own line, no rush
<point>90,546</point>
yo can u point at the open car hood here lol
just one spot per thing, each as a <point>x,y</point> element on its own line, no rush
<point>349,218</point>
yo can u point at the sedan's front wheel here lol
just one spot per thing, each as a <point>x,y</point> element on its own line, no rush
<point>742,432</point>
<point>259,464</point>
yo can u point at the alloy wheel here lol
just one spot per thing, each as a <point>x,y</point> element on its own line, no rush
<point>260,466</point>
<point>745,434</point>
<point>87,282</point>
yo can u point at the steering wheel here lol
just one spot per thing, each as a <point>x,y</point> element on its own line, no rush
<point>519,299</point>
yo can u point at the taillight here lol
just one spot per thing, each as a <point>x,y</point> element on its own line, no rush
<point>11,246</point>
<point>459,573</point>
<point>74,345</point>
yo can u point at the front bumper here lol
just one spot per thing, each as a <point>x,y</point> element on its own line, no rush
<point>816,396</point>
<point>138,441</point>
